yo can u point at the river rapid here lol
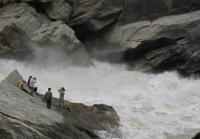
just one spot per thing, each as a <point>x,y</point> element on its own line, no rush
<point>150,106</point>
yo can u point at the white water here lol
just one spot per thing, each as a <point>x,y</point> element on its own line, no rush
<point>149,105</point>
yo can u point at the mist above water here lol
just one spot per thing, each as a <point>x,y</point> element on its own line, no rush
<point>150,106</point>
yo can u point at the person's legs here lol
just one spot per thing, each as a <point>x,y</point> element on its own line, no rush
<point>48,103</point>
<point>35,91</point>
<point>62,101</point>
<point>32,90</point>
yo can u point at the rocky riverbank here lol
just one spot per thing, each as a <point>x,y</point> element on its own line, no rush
<point>24,116</point>
<point>146,35</point>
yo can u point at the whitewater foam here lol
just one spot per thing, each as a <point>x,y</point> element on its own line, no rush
<point>150,106</point>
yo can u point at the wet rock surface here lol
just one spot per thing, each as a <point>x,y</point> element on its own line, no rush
<point>24,116</point>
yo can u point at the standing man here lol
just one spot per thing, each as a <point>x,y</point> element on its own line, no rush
<point>48,98</point>
<point>62,94</point>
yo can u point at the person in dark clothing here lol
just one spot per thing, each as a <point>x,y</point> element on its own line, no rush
<point>48,98</point>
<point>29,80</point>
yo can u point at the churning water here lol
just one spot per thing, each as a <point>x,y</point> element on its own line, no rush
<point>150,106</point>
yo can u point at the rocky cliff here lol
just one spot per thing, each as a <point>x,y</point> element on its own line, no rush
<point>152,35</point>
<point>26,116</point>
<point>147,35</point>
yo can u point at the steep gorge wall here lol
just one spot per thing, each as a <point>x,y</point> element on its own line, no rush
<point>117,26</point>
<point>150,9</point>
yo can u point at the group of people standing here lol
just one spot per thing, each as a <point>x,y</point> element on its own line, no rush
<point>48,97</point>
<point>32,85</point>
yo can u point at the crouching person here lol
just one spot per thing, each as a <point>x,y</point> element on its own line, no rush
<point>48,98</point>
<point>21,85</point>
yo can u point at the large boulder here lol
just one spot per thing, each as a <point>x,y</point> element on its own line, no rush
<point>99,115</point>
<point>32,23</point>
<point>22,15</point>
<point>58,10</point>
<point>25,116</point>
<point>94,15</point>
<point>11,37</point>
<point>18,22</point>
<point>56,33</point>
<point>169,42</point>
<point>23,28</point>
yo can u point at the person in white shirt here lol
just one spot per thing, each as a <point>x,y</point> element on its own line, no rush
<point>33,85</point>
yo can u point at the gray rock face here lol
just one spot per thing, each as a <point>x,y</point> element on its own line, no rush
<point>56,33</point>
<point>140,29</point>
<point>24,116</point>
<point>135,10</point>
<point>93,15</point>
<point>21,27</point>
<point>16,18</point>
<point>27,19</point>
<point>137,32</point>
<point>166,43</point>
<point>11,1</point>
<point>25,24</point>
<point>22,15</point>
<point>58,10</point>
<point>14,77</point>
<point>11,37</point>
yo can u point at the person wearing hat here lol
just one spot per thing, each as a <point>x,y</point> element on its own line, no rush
<point>62,94</point>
